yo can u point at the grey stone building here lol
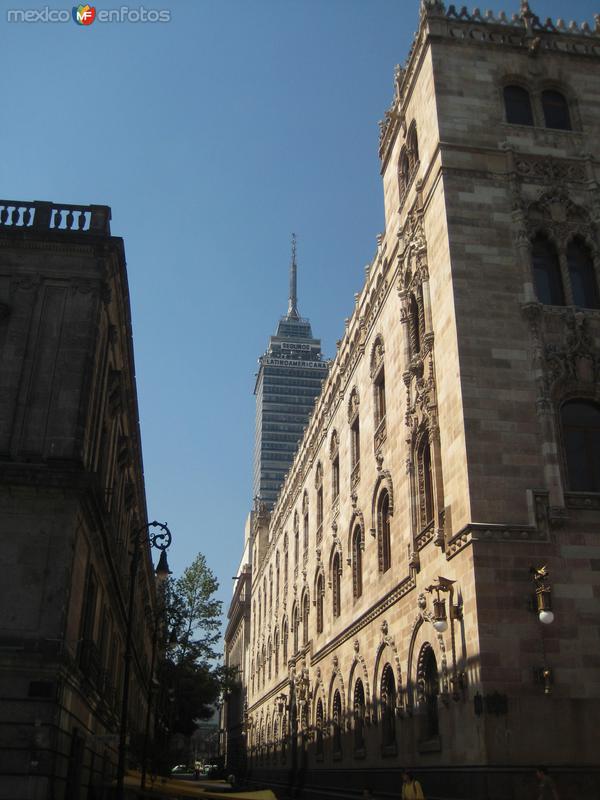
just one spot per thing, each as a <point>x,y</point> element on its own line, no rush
<point>289,379</point>
<point>426,590</point>
<point>71,494</point>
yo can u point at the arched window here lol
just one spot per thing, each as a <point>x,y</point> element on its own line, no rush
<point>305,611</point>
<point>582,274</point>
<point>334,451</point>
<point>319,729</point>
<point>335,583</point>
<point>284,642</point>
<point>581,436</point>
<point>384,546</point>
<point>277,570</point>
<point>285,567</point>
<point>378,376</point>
<point>517,105</point>
<point>305,523</point>
<point>404,169</point>
<point>319,488</point>
<point>556,110</point>
<point>388,706</point>
<point>413,147</point>
<point>264,664</point>
<point>359,716</point>
<point>357,562</point>
<point>295,627</point>
<point>431,689</point>
<point>296,539</point>
<point>414,327</point>
<point>270,657</point>
<point>319,602</point>
<point>276,648</point>
<point>337,723</point>
<point>270,589</point>
<point>425,477</point>
<point>546,272</point>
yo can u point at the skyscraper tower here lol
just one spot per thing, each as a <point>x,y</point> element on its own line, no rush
<point>289,378</point>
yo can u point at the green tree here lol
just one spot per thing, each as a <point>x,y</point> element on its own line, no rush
<point>191,668</point>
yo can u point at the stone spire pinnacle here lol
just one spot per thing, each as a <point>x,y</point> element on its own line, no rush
<point>293,298</point>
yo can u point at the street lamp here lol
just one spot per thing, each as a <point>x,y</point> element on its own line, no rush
<point>161,541</point>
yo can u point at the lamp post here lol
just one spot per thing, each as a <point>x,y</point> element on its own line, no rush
<point>161,541</point>
<point>158,619</point>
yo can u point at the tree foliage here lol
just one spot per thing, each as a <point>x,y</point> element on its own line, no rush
<point>191,667</point>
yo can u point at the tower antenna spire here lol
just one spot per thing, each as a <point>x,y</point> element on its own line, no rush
<point>293,298</point>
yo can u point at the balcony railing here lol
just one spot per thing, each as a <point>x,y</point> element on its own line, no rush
<point>36,215</point>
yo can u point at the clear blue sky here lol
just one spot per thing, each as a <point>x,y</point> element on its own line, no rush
<point>213,137</point>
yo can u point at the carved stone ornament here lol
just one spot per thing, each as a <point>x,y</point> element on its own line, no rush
<point>356,646</point>
<point>384,628</point>
<point>353,404</point>
<point>576,361</point>
<point>377,356</point>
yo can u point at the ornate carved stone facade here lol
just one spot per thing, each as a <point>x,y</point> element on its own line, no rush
<point>420,647</point>
<point>71,495</point>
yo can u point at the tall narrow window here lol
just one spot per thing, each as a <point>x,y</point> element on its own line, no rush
<point>556,110</point>
<point>284,642</point>
<point>517,105</point>
<point>337,723</point>
<point>295,626</point>
<point>582,274</point>
<point>296,539</point>
<point>277,570</point>
<point>379,397</point>
<point>336,584</point>
<point>357,562</point>
<point>425,478</point>
<point>319,729</point>
<point>388,706</point>
<point>276,649</point>
<point>383,532</point>
<point>404,170</point>
<point>546,272</point>
<point>413,147</point>
<point>335,477</point>
<point>355,433</point>
<point>319,488</point>
<point>285,567</point>
<point>88,614</point>
<point>431,689</point>
<point>359,716</point>
<point>270,658</point>
<point>305,523</point>
<point>581,436</point>
<point>414,328</point>
<point>319,602</point>
<point>305,612</point>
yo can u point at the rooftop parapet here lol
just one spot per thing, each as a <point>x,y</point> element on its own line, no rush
<point>36,215</point>
<point>524,29</point>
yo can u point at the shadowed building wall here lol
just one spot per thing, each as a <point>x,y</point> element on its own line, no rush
<point>71,493</point>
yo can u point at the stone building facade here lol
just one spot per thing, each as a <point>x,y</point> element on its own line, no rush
<point>71,496</point>
<point>447,487</point>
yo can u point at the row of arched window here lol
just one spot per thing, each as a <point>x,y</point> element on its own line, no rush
<point>564,276</point>
<point>273,734</point>
<point>551,108</point>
